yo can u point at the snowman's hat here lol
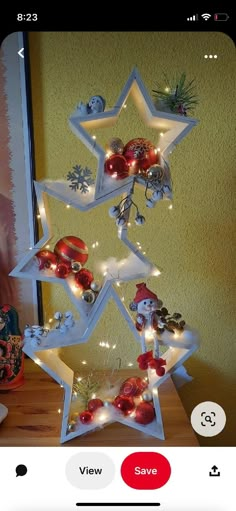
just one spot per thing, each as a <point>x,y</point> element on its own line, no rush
<point>143,293</point>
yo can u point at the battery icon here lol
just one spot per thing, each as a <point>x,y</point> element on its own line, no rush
<point>221,16</point>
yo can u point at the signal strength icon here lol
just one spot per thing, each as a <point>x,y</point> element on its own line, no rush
<point>206,16</point>
<point>193,18</point>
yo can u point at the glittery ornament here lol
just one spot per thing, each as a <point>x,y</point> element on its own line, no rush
<point>145,413</point>
<point>83,279</point>
<point>94,404</point>
<point>115,145</point>
<point>62,271</point>
<point>133,387</point>
<point>89,296</point>
<point>147,395</point>
<point>86,417</point>
<point>155,172</point>
<point>116,166</point>
<point>95,286</point>
<point>46,259</point>
<point>76,266</point>
<point>124,403</point>
<point>140,154</point>
<point>71,248</point>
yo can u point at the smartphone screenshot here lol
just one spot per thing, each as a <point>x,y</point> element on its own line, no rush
<point>117,274</point>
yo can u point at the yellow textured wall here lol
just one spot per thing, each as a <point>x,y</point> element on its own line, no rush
<point>193,243</point>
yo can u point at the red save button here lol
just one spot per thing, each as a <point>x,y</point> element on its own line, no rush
<point>145,470</point>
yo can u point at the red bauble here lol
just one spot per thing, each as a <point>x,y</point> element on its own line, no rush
<point>84,278</point>
<point>124,403</point>
<point>46,259</point>
<point>94,404</point>
<point>116,166</point>
<point>133,387</point>
<point>71,248</point>
<point>145,413</point>
<point>86,417</point>
<point>62,270</point>
<point>140,154</point>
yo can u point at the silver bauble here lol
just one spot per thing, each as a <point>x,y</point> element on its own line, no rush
<point>89,296</point>
<point>76,266</point>
<point>116,146</point>
<point>147,395</point>
<point>95,286</point>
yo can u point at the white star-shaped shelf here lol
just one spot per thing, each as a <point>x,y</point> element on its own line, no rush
<point>180,348</point>
<point>173,127</point>
<point>135,266</point>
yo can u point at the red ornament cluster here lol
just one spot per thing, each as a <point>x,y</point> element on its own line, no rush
<point>130,389</point>
<point>146,360</point>
<point>69,255</point>
<point>136,157</point>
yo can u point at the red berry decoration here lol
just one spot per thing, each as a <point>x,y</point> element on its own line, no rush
<point>94,404</point>
<point>145,413</point>
<point>71,248</point>
<point>84,278</point>
<point>86,417</point>
<point>133,387</point>
<point>116,166</point>
<point>62,270</point>
<point>124,403</point>
<point>46,259</point>
<point>140,154</point>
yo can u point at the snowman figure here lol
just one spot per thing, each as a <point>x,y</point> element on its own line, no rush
<point>148,323</point>
<point>95,105</point>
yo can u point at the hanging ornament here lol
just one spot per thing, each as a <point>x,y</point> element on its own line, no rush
<point>115,146</point>
<point>133,387</point>
<point>156,173</point>
<point>95,286</point>
<point>114,211</point>
<point>139,219</point>
<point>147,395</point>
<point>116,166</point>
<point>124,403</point>
<point>46,260</point>
<point>140,155</point>
<point>94,404</point>
<point>145,413</point>
<point>71,248</point>
<point>76,266</point>
<point>86,417</point>
<point>62,270</point>
<point>88,296</point>
<point>83,279</point>
<point>71,426</point>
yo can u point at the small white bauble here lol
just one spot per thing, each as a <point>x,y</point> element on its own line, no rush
<point>95,286</point>
<point>157,195</point>
<point>58,315</point>
<point>120,221</point>
<point>76,266</point>
<point>150,203</point>
<point>68,315</point>
<point>140,220</point>
<point>114,212</point>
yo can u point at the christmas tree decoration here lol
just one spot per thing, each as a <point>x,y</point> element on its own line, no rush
<point>124,403</point>
<point>11,354</point>
<point>94,404</point>
<point>80,179</point>
<point>62,270</point>
<point>140,155</point>
<point>176,95</point>
<point>46,260</point>
<point>75,266</point>
<point>84,279</point>
<point>86,417</point>
<point>116,166</point>
<point>95,286</point>
<point>115,146</point>
<point>135,402</point>
<point>71,248</point>
<point>95,105</point>
<point>144,413</point>
<point>133,387</point>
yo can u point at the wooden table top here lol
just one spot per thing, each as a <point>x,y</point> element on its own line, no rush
<point>33,418</point>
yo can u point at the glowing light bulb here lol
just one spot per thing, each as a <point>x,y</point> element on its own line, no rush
<point>167,89</point>
<point>124,106</point>
<point>84,362</point>
<point>94,137</point>
<point>130,364</point>
<point>59,410</point>
<point>68,206</point>
<point>161,134</point>
<point>156,273</point>
<point>47,246</point>
<point>38,216</point>
<point>170,206</point>
<point>79,378</point>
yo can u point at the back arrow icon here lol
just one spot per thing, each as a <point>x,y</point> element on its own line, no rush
<point>20,52</point>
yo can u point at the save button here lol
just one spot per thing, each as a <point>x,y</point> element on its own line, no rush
<point>145,470</point>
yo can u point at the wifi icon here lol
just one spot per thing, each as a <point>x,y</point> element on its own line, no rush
<point>206,16</point>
